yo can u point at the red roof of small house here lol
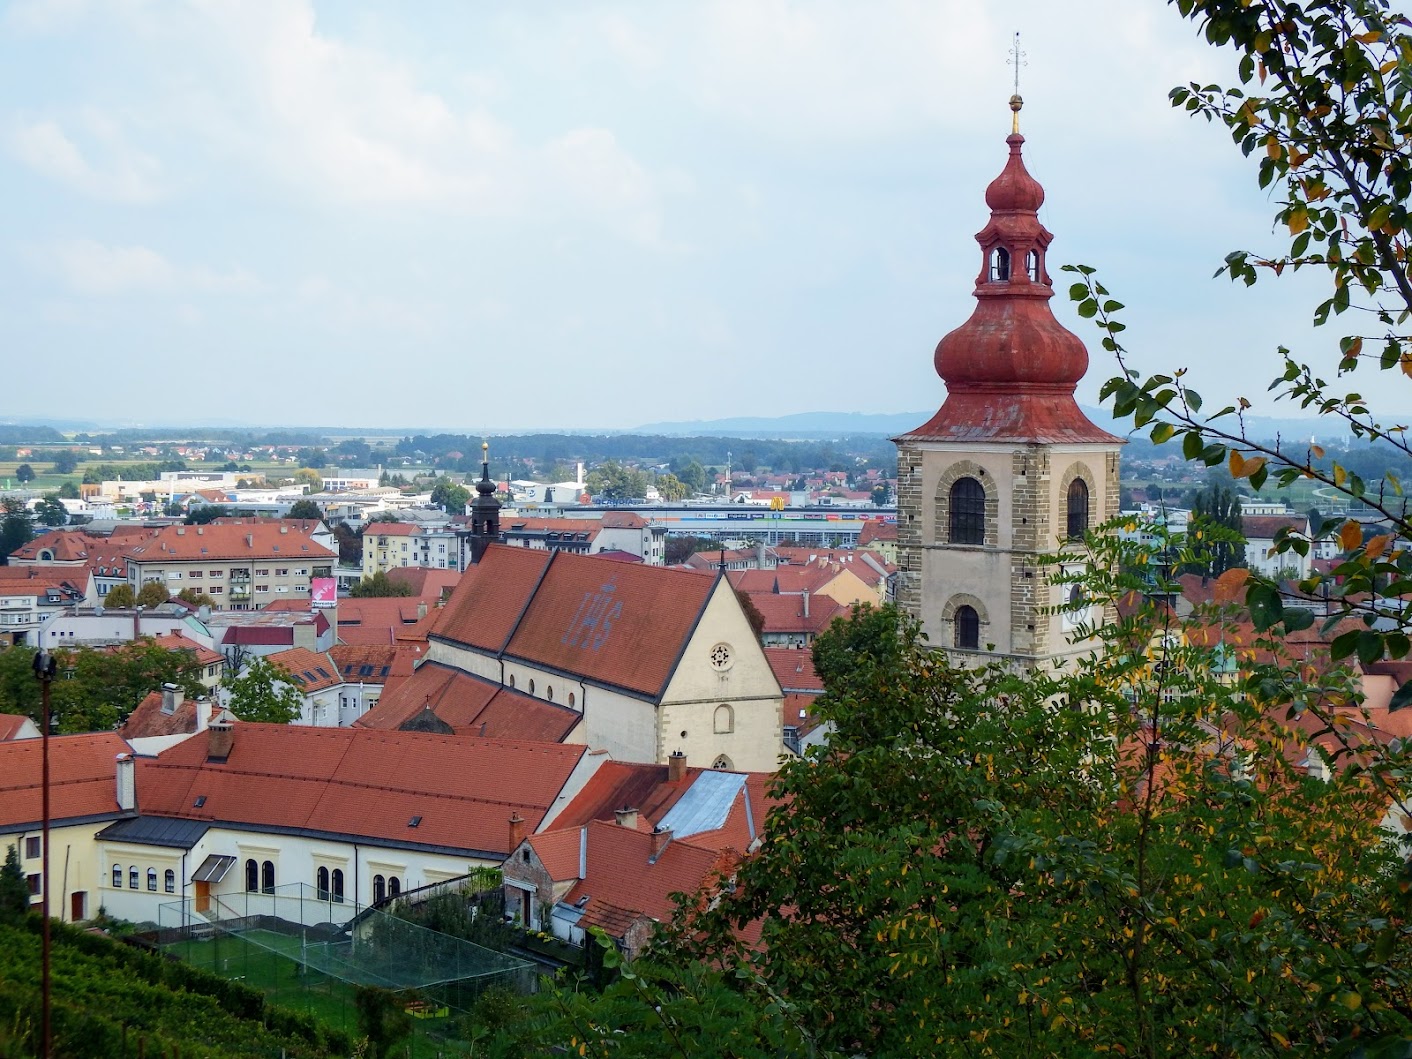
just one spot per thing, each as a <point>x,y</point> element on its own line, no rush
<point>175,641</point>
<point>623,880</point>
<point>558,851</point>
<point>149,719</point>
<point>82,785</point>
<point>391,788</point>
<point>429,584</point>
<point>374,663</point>
<point>794,669</point>
<point>785,614</point>
<point>67,581</point>
<point>874,530</point>
<point>309,671</point>
<point>471,705</point>
<point>1264,527</point>
<point>10,725</point>
<point>230,540</point>
<point>623,520</point>
<point>614,623</point>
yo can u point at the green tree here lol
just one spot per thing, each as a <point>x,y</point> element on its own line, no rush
<point>152,594</point>
<point>1218,508</point>
<point>306,509</point>
<point>613,481</point>
<point>450,496</point>
<point>65,462</point>
<point>50,512</point>
<point>379,585</point>
<point>204,514</point>
<point>24,473</point>
<point>120,597</point>
<point>14,891</point>
<point>312,457</point>
<point>16,527</point>
<point>882,493</point>
<point>693,476</point>
<point>263,693</point>
<point>195,597</point>
<point>310,479</point>
<point>670,486</point>
<point>69,491</point>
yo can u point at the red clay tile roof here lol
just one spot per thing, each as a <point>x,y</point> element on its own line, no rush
<point>467,703</point>
<point>428,584</point>
<point>68,581</point>
<point>794,669</point>
<point>623,520</point>
<point>175,641</point>
<point>1264,527</point>
<point>10,725</point>
<point>621,883</point>
<point>876,531</point>
<point>83,778</point>
<point>364,783</point>
<point>237,539</point>
<point>66,546</point>
<point>309,670</point>
<point>578,614</point>
<point>785,614</point>
<point>558,851</point>
<point>391,529</point>
<point>373,663</point>
<point>148,719</point>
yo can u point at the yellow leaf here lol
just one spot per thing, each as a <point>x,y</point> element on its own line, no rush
<point>1369,38</point>
<point>1378,545</point>
<point>1350,535</point>
<point>1237,464</point>
<point>1352,1001</point>
<point>1298,220</point>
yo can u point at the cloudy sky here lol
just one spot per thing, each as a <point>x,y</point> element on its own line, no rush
<point>506,215</point>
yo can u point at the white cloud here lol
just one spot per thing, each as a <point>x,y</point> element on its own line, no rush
<point>121,172</point>
<point>93,268</point>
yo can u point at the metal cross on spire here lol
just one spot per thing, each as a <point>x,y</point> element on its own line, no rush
<point>1017,60</point>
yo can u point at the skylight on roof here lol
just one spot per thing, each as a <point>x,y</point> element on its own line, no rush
<point>416,821</point>
<point>200,801</point>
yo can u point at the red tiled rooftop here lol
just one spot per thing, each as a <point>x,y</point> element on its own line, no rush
<point>794,669</point>
<point>83,778</point>
<point>359,782</point>
<point>235,539</point>
<point>471,706</point>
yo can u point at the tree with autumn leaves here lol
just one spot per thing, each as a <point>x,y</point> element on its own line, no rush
<point>1174,846</point>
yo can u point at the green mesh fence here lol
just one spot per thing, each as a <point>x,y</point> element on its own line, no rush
<point>310,953</point>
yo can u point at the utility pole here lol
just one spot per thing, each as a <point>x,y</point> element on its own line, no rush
<point>45,666</point>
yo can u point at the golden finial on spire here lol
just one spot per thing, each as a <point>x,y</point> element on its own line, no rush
<point>1017,60</point>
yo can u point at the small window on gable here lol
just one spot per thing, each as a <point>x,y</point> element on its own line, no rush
<point>999,264</point>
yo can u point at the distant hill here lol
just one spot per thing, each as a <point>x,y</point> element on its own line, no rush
<point>816,425</point>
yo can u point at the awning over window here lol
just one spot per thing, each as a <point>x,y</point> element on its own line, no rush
<point>213,869</point>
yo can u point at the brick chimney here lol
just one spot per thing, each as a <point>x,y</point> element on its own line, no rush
<point>626,817</point>
<point>126,782</point>
<point>676,767</point>
<point>517,830</point>
<point>220,736</point>
<point>660,837</point>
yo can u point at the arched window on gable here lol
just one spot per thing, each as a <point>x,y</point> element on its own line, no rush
<point>999,264</point>
<point>967,512</point>
<point>968,628</point>
<point>1078,508</point>
<point>722,763</point>
<point>725,720</point>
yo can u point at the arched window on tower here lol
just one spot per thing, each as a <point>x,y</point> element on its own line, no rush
<point>1078,508</point>
<point>999,264</point>
<point>968,628</point>
<point>967,512</point>
<point>1032,265</point>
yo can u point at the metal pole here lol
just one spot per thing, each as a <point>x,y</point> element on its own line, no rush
<point>44,669</point>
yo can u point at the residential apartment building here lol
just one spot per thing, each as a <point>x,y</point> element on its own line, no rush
<point>240,564</point>
<point>394,545</point>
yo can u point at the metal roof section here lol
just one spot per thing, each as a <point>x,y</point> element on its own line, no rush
<point>705,805</point>
<point>213,869</point>
<point>156,831</point>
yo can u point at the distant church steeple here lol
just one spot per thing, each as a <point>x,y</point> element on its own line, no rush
<point>1009,466</point>
<point>485,509</point>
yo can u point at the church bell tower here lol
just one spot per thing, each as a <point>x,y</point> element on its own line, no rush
<point>1009,467</point>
